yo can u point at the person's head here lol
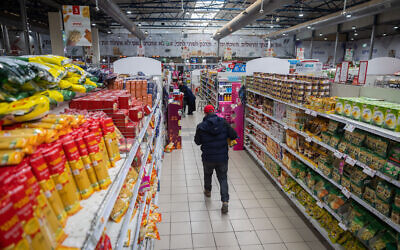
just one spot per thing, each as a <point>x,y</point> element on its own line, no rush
<point>209,109</point>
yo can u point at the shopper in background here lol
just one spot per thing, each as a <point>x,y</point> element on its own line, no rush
<point>188,99</point>
<point>213,134</point>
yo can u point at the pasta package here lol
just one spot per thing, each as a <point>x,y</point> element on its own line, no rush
<point>98,162</point>
<point>11,156</point>
<point>26,109</point>
<point>81,178</point>
<point>42,173</point>
<point>62,179</point>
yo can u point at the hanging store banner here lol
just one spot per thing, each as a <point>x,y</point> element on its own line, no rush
<point>140,50</point>
<point>348,56</point>
<point>77,25</point>
<point>228,54</point>
<point>300,53</point>
<point>362,72</point>
<point>344,72</point>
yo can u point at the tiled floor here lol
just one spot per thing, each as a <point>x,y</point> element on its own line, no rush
<point>259,216</point>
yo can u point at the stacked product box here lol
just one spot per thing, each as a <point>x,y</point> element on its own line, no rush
<point>126,111</point>
<point>174,124</point>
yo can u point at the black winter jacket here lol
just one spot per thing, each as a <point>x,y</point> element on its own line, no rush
<point>212,135</point>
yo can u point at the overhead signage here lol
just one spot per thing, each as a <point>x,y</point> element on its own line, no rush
<point>77,25</point>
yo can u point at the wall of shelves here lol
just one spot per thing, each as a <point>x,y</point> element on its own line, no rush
<point>308,137</point>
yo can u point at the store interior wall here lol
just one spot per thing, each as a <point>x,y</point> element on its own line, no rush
<point>249,46</point>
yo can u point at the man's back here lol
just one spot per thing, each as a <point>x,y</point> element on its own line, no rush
<point>212,135</point>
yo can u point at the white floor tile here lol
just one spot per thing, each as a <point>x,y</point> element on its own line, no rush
<point>259,216</point>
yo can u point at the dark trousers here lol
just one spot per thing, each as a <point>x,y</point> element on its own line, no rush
<point>222,171</point>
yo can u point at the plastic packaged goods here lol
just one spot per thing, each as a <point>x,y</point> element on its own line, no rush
<point>60,174</point>
<point>26,109</point>
<point>98,162</point>
<point>42,173</point>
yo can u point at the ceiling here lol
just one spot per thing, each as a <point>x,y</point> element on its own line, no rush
<point>195,15</point>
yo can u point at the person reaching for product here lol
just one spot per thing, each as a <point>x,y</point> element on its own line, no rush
<point>188,99</point>
<point>213,134</point>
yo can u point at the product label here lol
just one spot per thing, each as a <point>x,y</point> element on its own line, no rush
<point>349,127</point>
<point>350,161</point>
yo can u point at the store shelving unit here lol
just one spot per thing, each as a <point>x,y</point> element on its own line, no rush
<point>395,136</point>
<point>349,125</point>
<point>208,87</point>
<point>92,219</point>
<point>291,196</point>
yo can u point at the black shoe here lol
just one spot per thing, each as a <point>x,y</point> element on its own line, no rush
<point>224,208</point>
<point>207,193</point>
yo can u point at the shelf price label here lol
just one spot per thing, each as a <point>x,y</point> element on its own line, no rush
<point>320,204</point>
<point>369,171</point>
<point>338,154</point>
<point>346,192</point>
<point>285,127</point>
<point>308,111</point>
<point>313,113</point>
<point>308,139</point>
<point>350,161</point>
<point>349,127</point>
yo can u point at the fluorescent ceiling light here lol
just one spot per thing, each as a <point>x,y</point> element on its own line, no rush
<point>353,27</point>
<point>301,14</point>
<point>325,38</point>
<point>309,27</point>
<point>348,15</point>
<point>384,34</point>
<point>356,34</point>
<point>128,12</point>
<point>395,27</point>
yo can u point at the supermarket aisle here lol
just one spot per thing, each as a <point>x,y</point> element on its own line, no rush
<point>259,217</point>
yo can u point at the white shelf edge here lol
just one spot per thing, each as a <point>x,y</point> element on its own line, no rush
<point>101,217</point>
<point>360,164</point>
<point>360,125</point>
<point>384,218</point>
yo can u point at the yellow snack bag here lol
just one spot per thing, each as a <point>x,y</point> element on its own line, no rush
<point>53,94</point>
<point>11,156</point>
<point>26,109</point>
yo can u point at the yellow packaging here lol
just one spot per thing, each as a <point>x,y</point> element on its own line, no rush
<point>104,153</point>
<point>81,178</point>
<point>90,172</point>
<point>26,109</point>
<point>54,199</point>
<point>11,156</point>
<point>101,170</point>
<point>67,191</point>
<point>112,148</point>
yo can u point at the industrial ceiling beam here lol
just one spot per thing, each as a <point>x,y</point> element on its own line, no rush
<point>111,9</point>
<point>257,10</point>
<point>365,9</point>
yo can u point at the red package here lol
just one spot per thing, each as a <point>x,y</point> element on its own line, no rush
<point>147,110</point>
<point>70,148</point>
<point>135,113</point>
<point>39,166</point>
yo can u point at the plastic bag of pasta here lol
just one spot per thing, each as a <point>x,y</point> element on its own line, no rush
<point>15,71</point>
<point>48,72</point>
<point>50,59</point>
<point>52,94</point>
<point>26,109</point>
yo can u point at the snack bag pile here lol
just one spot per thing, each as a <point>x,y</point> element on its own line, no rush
<point>48,166</point>
<point>31,85</point>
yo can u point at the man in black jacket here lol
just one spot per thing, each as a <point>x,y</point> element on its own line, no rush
<point>213,134</point>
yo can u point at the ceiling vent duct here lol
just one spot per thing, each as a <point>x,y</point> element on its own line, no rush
<point>257,10</point>
<point>111,9</point>
<point>361,10</point>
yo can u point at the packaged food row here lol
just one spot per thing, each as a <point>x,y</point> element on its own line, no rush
<point>370,110</point>
<point>290,88</point>
<point>48,167</point>
<point>335,200</point>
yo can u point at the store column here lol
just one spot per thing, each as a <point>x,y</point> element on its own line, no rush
<point>371,44</point>
<point>25,27</point>
<point>311,43</point>
<point>6,39</point>
<point>336,44</point>
<point>56,36</point>
<point>218,49</point>
<point>95,46</point>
